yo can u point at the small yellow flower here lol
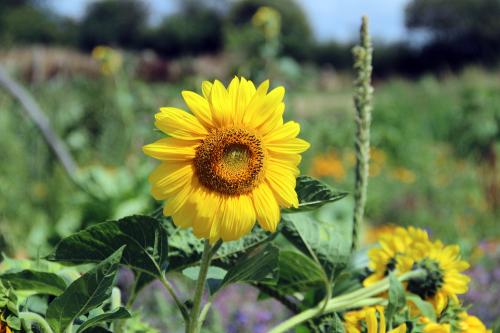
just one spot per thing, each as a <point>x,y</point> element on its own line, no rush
<point>354,320</point>
<point>404,175</point>
<point>391,253</point>
<point>268,20</point>
<point>328,165</point>
<point>230,162</point>
<point>110,60</point>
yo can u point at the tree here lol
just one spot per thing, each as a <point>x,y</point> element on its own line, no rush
<point>460,30</point>
<point>114,22</point>
<point>296,32</point>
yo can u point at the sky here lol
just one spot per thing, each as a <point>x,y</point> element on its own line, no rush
<point>330,19</point>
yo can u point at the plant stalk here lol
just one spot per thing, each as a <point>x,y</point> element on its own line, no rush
<point>363,95</point>
<point>358,298</point>
<point>31,317</point>
<point>195,320</point>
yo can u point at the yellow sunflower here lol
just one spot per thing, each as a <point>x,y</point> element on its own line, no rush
<point>471,324</point>
<point>365,321</point>
<point>437,328</point>
<point>391,254</point>
<point>230,162</point>
<point>444,279</point>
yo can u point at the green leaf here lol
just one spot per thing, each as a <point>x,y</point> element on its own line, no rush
<point>397,298</point>
<point>145,239</point>
<point>120,313</point>
<point>185,249</point>
<point>298,273</point>
<point>313,194</point>
<point>256,266</point>
<point>84,294</point>
<point>97,329</point>
<point>35,282</point>
<point>323,239</point>
<point>425,308</point>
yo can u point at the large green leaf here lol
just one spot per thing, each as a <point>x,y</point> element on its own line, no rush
<point>256,266</point>
<point>299,273</point>
<point>119,313</point>
<point>35,282</point>
<point>313,194</point>
<point>185,249</point>
<point>320,237</point>
<point>145,239</point>
<point>84,294</point>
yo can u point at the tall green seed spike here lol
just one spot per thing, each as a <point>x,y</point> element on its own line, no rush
<point>363,95</point>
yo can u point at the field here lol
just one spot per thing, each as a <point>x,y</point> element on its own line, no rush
<point>434,164</point>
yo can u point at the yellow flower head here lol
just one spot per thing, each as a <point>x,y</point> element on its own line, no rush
<point>365,321</point>
<point>391,254</point>
<point>444,280</point>
<point>110,60</point>
<point>471,324</point>
<point>230,162</point>
<point>268,20</point>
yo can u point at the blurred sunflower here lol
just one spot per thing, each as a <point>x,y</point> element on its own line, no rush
<point>391,253</point>
<point>444,279</point>
<point>471,324</point>
<point>328,165</point>
<point>365,321</point>
<point>437,328</point>
<point>109,59</point>
<point>229,163</point>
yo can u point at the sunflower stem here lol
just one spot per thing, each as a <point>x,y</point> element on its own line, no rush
<point>358,298</point>
<point>195,320</point>
<point>31,317</point>
<point>363,94</point>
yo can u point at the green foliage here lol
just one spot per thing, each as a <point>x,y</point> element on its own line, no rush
<point>256,266</point>
<point>84,294</point>
<point>299,273</point>
<point>119,313</point>
<point>296,32</point>
<point>397,298</point>
<point>35,282</point>
<point>328,244</point>
<point>313,194</point>
<point>145,239</point>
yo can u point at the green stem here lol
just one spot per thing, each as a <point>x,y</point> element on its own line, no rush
<point>172,293</point>
<point>36,318</point>
<point>195,320</point>
<point>358,298</point>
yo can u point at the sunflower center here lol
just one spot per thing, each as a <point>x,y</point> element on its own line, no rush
<point>428,285</point>
<point>230,161</point>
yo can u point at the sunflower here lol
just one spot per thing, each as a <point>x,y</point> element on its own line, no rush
<point>471,324</point>
<point>444,279</point>
<point>437,328</point>
<point>365,321</point>
<point>231,162</point>
<point>392,250</point>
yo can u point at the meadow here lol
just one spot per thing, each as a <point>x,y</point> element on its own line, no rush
<point>434,163</point>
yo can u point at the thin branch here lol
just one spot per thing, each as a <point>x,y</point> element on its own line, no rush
<point>41,121</point>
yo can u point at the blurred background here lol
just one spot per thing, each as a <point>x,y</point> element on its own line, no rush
<point>99,70</point>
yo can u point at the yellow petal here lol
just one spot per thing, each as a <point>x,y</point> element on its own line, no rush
<point>206,87</point>
<point>168,178</point>
<point>171,149</point>
<point>237,217</point>
<point>371,321</point>
<point>284,133</point>
<point>177,201</point>
<point>283,186</point>
<point>220,104</point>
<point>293,146</point>
<point>179,124</point>
<point>262,106</point>
<point>200,107</point>
<point>266,207</point>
